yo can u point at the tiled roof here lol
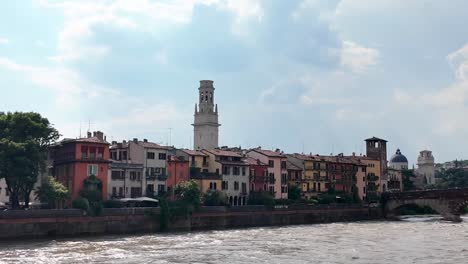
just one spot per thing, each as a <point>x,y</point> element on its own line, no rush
<point>375,139</point>
<point>194,152</point>
<point>291,166</point>
<point>226,153</point>
<point>270,153</point>
<point>86,140</point>
<point>252,161</point>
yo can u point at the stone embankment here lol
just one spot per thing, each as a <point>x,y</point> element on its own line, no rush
<point>74,222</point>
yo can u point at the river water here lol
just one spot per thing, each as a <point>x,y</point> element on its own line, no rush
<point>413,240</point>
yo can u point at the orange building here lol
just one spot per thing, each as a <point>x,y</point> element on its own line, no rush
<point>77,159</point>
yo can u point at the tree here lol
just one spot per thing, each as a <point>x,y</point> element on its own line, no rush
<point>408,177</point>
<point>453,178</point>
<point>24,139</point>
<point>189,193</point>
<point>214,198</point>
<point>294,192</point>
<point>52,192</point>
<point>262,198</point>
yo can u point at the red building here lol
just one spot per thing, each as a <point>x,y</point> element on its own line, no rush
<point>258,175</point>
<point>342,173</point>
<point>77,159</point>
<point>177,172</point>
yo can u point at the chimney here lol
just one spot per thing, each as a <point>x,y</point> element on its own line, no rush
<point>145,140</point>
<point>124,141</point>
<point>354,154</point>
<point>277,150</point>
<point>135,140</point>
<point>114,142</point>
<point>99,135</point>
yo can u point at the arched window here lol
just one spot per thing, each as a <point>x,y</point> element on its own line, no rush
<point>230,200</point>
<point>235,200</point>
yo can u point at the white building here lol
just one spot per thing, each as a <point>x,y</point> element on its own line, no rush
<point>235,174</point>
<point>206,125</point>
<point>151,156</point>
<point>426,168</point>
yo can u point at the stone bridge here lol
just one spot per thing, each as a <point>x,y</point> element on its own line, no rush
<point>449,203</point>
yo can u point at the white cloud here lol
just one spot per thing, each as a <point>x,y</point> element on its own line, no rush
<point>449,106</point>
<point>66,85</point>
<point>4,41</point>
<point>357,58</point>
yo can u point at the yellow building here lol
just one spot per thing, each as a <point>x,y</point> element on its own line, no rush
<point>205,176</point>
<point>314,176</point>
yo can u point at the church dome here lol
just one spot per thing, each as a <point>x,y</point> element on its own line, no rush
<point>398,157</point>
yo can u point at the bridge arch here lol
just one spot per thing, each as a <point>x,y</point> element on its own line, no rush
<point>449,203</point>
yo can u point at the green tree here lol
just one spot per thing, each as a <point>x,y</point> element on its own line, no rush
<point>52,192</point>
<point>189,193</point>
<point>214,198</point>
<point>24,139</point>
<point>408,178</point>
<point>294,192</point>
<point>262,198</point>
<point>453,178</point>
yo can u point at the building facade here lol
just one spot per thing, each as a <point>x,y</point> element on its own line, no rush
<point>75,160</point>
<point>125,180</point>
<point>277,170</point>
<point>258,175</point>
<point>426,169</point>
<point>235,174</point>
<point>178,171</point>
<point>206,125</point>
<point>152,156</point>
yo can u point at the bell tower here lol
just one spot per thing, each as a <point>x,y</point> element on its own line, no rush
<point>206,125</point>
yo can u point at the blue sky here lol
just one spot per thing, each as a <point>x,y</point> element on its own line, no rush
<point>308,75</point>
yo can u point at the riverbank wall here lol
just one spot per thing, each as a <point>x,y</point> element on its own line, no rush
<point>74,222</point>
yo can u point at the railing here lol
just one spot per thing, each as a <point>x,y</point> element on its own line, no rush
<point>162,177</point>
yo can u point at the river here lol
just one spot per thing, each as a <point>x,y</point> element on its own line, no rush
<point>413,240</point>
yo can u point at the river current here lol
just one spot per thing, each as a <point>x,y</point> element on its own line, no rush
<point>422,240</point>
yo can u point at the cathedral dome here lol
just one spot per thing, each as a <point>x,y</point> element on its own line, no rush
<point>398,157</point>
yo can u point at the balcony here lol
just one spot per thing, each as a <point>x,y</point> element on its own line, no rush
<point>371,177</point>
<point>196,173</point>
<point>162,177</point>
<point>271,180</point>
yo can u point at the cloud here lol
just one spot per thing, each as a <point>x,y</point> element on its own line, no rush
<point>4,41</point>
<point>357,58</point>
<point>448,106</point>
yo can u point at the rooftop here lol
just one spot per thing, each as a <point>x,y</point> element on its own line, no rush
<point>270,153</point>
<point>226,153</point>
<point>375,139</point>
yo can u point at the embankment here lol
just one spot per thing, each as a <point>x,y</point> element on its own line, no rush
<point>73,222</point>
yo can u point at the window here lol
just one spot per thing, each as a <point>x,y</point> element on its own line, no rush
<point>243,171</point>
<point>224,185</point>
<point>236,171</point>
<point>284,189</point>
<point>271,163</point>
<point>236,185</point>
<point>283,164</point>
<point>212,185</point>
<point>100,153</point>
<point>162,156</point>
<point>244,187</point>
<point>150,155</point>
<point>123,155</point>
<point>161,188</point>
<point>92,152</point>
<point>92,170</point>
<point>226,170</point>
<point>271,189</point>
<point>114,191</point>
<point>84,152</point>
<point>121,194</point>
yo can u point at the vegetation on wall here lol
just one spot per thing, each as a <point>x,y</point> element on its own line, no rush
<point>408,180</point>
<point>24,139</point>
<point>452,178</point>
<point>214,198</point>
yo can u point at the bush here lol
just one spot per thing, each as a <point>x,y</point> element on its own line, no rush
<point>214,198</point>
<point>52,192</point>
<point>262,198</point>
<point>81,203</point>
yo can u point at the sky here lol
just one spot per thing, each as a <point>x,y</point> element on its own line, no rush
<point>312,76</point>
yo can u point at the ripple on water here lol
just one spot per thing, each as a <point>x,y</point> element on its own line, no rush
<point>413,240</point>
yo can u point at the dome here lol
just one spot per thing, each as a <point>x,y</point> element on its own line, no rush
<point>398,157</point>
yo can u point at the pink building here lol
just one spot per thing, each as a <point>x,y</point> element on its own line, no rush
<point>277,170</point>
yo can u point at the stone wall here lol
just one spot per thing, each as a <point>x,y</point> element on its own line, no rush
<point>51,223</point>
